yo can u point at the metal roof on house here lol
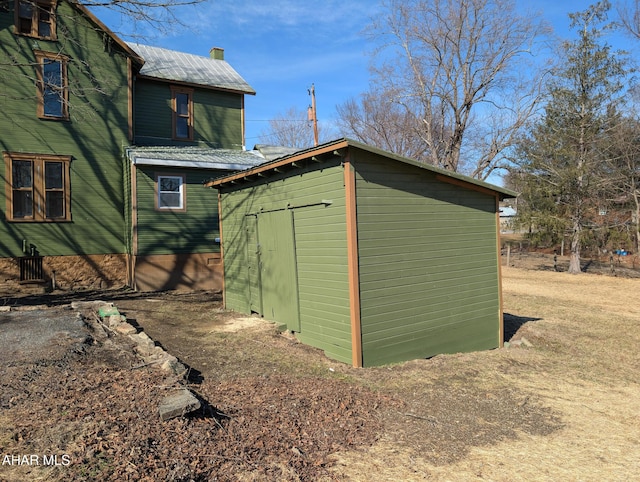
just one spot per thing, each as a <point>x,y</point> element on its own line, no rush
<point>507,211</point>
<point>272,153</point>
<point>176,66</point>
<point>194,157</point>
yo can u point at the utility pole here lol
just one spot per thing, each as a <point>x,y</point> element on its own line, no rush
<point>312,114</point>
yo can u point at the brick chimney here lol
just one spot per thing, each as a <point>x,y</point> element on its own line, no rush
<point>216,53</point>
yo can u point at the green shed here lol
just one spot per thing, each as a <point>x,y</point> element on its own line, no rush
<point>369,256</point>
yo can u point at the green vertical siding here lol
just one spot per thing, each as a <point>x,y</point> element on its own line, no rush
<point>94,136</point>
<point>278,272</point>
<point>428,264</point>
<point>321,250</point>
<point>217,116</point>
<point>168,232</point>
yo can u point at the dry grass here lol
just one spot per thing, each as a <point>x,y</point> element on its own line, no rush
<point>582,368</point>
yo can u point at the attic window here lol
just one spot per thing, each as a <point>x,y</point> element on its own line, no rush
<point>35,18</point>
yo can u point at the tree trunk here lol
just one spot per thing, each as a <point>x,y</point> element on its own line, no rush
<point>636,198</point>
<point>574,259</point>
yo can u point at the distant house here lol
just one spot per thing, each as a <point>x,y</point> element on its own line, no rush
<point>369,256</point>
<point>86,206</point>
<point>507,218</point>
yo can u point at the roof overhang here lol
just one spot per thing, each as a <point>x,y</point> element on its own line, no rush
<point>339,148</point>
<point>143,161</point>
<point>121,43</point>
<point>199,86</point>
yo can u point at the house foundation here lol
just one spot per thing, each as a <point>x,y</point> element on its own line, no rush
<point>194,271</point>
<point>68,273</point>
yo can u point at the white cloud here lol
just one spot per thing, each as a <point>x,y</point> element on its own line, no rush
<point>268,15</point>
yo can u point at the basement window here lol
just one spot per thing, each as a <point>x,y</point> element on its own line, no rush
<point>170,192</point>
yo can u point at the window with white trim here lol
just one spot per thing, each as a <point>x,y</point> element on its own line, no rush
<point>170,192</point>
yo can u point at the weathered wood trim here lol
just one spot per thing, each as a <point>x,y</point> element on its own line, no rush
<point>352,260</point>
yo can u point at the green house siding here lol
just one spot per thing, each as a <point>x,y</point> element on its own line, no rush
<point>174,232</point>
<point>93,137</point>
<point>217,116</point>
<point>427,264</point>
<point>314,201</point>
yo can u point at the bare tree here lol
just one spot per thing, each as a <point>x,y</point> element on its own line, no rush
<point>160,16</point>
<point>629,17</point>
<point>376,120</point>
<point>454,64</point>
<point>625,174</point>
<point>293,128</point>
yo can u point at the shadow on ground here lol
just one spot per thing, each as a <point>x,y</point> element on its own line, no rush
<point>513,323</point>
<point>59,298</point>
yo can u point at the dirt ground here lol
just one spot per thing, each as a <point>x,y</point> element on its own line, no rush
<point>559,402</point>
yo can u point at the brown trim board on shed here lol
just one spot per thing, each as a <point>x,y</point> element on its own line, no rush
<point>352,256</point>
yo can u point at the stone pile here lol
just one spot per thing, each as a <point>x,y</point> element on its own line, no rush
<point>180,403</point>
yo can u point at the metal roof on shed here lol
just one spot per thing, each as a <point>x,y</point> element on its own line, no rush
<point>314,154</point>
<point>176,66</point>
<point>194,157</point>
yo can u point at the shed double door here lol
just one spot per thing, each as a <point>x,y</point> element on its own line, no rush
<point>273,280</point>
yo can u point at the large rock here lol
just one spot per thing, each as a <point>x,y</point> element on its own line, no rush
<point>178,405</point>
<point>144,345</point>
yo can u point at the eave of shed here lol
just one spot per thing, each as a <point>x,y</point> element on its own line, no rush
<point>339,147</point>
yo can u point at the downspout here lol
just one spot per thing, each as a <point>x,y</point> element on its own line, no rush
<point>353,262</point>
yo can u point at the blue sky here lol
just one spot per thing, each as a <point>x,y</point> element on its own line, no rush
<point>281,47</point>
